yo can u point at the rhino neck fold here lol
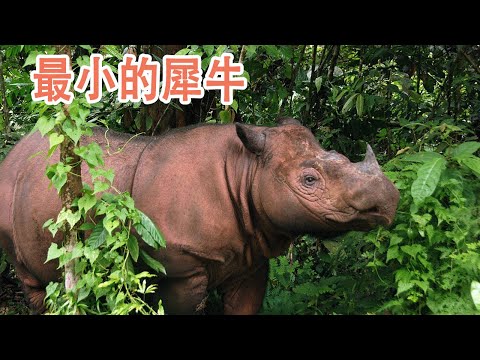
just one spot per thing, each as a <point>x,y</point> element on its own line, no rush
<point>258,232</point>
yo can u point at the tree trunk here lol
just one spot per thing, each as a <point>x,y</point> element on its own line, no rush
<point>333,62</point>
<point>3,92</point>
<point>311,100</point>
<point>71,190</point>
<point>164,116</point>
<point>292,80</point>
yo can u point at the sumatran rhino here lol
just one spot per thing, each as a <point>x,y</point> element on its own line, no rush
<point>226,198</point>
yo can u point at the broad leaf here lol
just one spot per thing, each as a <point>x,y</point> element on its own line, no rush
<point>394,253</point>
<point>149,231</point>
<point>473,163</point>
<point>86,202</point>
<point>427,179</point>
<point>422,156</point>
<point>154,264</point>
<point>132,244</point>
<point>112,50</point>
<point>359,105</point>
<point>72,131</point>
<point>98,236</point>
<point>99,186</point>
<point>55,139</point>
<point>465,149</point>
<point>45,124</point>
<point>412,250</point>
<point>475,291</point>
<point>349,103</point>
<point>54,252</point>
<point>72,217</point>
<point>209,49</point>
<point>318,83</point>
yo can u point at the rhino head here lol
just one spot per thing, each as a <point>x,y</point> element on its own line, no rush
<point>301,188</point>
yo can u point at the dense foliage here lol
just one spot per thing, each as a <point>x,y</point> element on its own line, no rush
<point>419,108</point>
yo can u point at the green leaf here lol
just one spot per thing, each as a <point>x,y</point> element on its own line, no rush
<point>359,105</point>
<point>91,254</point>
<point>272,51</point>
<point>339,96</point>
<point>149,231</point>
<point>86,226</point>
<point>413,250</point>
<point>224,116</point>
<point>47,223</point>
<point>31,58</point>
<point>394,253</point>
<point>148,123</point>
<point>54,252</point>
<point>45,124</point>
<point>282,92</point>
<point>72,131</point>
<point>220,50</point>
<point>86,47</point>
<point>51,288</point>
<point>475,292</point>
<point>422,156</point>
<point>318,83</point>
<point>112,50</point>
<point>110,224</point>
<point>349,103</point>
<point>466,149</point>
<point>183,51</point>
<point>83,293</point>
<point>55,139</point>
<point>427,179</point>
<point>234,105</point>
<point>57,173</point>
<point>98,236</point>
<point>246,75</point>
<point>91,153</point>
<point>132,245</point>
<point>107,174</point>
<point>72,217</point>
<point>86,202</point>
<point>154,264</point>
<point>395,239</point>
<point>99,186</point>
<point>209,49</point>
<point>473,163</point>
<point>404,286</point>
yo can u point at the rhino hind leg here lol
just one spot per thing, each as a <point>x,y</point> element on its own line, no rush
<point>33,289</point>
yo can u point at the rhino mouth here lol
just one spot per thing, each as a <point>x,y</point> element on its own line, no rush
<point>363,220</point>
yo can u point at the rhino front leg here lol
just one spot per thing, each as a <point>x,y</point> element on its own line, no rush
<point>245,297</point>
<point>184,295</point>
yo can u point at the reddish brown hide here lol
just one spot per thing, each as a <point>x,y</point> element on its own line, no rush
<point>226,198</point>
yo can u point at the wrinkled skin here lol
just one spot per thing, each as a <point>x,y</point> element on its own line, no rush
<point>226,198</point>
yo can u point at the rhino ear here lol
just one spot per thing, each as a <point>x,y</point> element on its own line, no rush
<point>287,121</point>
<point>252,137</point>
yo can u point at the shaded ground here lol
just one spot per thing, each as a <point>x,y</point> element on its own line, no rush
<point>12,301</point>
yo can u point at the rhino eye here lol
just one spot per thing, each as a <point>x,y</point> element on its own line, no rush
<point>309,180</point>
